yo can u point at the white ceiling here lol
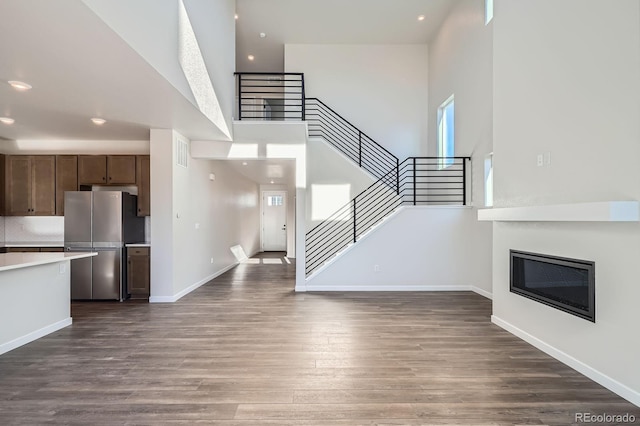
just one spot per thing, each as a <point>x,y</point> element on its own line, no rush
<point>79,68</point>
<point>329,22</point>
<point>281,172</point>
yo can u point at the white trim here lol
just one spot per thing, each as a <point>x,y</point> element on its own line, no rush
<point>595,375</point>
<point>34,335</point>
<point>181,294</point>
<point>603,211</point>
<point>482,292</point>
<point>388,288</point>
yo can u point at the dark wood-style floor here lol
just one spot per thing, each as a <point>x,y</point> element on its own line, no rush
<point>245,350</point>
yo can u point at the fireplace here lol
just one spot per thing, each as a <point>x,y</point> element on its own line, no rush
<point>565,284</point>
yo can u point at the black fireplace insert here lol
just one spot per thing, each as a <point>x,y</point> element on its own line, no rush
<point>565,284</point>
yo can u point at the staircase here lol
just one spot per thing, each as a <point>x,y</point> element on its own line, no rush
<point>412,182</point>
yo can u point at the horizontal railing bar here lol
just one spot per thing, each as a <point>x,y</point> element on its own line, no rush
<point>363,134</point>
<point>322,119</point>
<point>268,73</point>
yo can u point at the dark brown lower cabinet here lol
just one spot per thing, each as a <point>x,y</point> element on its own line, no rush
<point>138,272</point>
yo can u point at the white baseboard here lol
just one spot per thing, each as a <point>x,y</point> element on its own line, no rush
<point>482,292</point>
<point>613,385</point>
<point>387,288</point>
<point>182,293</point>
<point>34,335</point>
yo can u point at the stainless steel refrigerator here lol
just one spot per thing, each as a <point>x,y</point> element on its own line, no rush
<point>100,221</point>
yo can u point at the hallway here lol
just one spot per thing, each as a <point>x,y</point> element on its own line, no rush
<point>245,349</point>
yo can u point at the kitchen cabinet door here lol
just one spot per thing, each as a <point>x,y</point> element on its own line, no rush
<point>143,180</point>
<point>138,281</point>
<point>43,187</point>
<point>92,169</point>
<point>18,185</point>
<point>66,179</point>
<point>121,169</point>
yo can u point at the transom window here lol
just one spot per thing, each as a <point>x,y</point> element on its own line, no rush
<point>274,200</point>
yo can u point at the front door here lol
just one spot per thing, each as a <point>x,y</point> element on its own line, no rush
<point>274,221</point>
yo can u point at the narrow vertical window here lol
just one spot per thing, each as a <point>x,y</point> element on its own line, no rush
<point>446,147</point>
<point>488,11</point>
<point>488,180</point>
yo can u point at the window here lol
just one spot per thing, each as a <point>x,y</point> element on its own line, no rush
<point>488,180</point>
<point>327,199</point>
<point>488,11</point>
<point>445,134</point>
<point>274,200</point>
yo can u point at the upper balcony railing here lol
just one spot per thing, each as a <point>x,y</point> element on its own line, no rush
<point>267,96</point>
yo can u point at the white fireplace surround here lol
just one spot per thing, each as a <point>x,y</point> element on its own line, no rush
<point>602,211</point>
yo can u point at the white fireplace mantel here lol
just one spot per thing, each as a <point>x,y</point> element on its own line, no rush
<point>602,211</point>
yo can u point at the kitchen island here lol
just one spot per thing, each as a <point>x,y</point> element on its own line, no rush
<point>35,295</point>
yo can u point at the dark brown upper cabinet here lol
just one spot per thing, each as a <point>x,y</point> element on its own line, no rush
<point>66,179</point>
<point>107,169</point>
<point>30,185</point>
<point>143,181</point>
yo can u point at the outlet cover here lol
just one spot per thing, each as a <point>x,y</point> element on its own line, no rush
<point>540,160</point>
<point>376,268</point>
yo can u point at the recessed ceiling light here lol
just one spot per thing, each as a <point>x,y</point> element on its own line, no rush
<point>244,163</point>
<point>98,121</point>
<point>421,18</point>
<point>19,85</point>
<point>262,35</point>
<point>271,181</point>
<point>251,57</point>
<point>7,120</point>
<point>236,16</point>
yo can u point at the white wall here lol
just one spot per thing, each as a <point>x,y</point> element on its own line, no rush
<point>162,262</point>
<point>381,89</point>
<point>196,219</point>
<point>572,90</point>
<point>227,213</point>
<point>327,166</point>
<point>215,27</point>
<point>151,28</point>
<point>460,64</point>
<point>418,248</point>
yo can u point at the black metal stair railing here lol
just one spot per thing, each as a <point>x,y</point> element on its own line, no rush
<point>422,181</point>
<point>351,221</point>
<point>270,96</point>
<point>266,96</point>
<point>324,122</point>
<point>434,180</point>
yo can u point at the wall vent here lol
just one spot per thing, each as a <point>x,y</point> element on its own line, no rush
<point>182,153</point>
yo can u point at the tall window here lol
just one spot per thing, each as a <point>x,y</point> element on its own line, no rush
<point>445,133</point>
<point>488,11</point>
<point>488,180</point>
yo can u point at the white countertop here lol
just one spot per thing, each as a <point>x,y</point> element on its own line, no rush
<point>32,244</point>
<point>24,260</point>
<point>138,245</point>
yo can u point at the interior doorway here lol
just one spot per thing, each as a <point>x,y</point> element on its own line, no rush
<point>274,221</point>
